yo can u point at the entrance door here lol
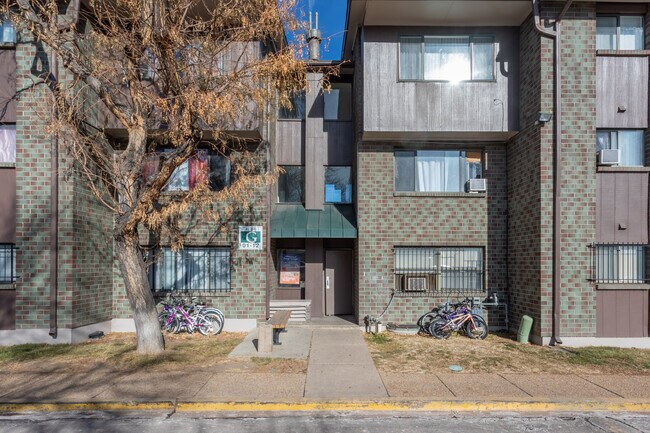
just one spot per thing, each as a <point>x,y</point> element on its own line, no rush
<point>338,282</point>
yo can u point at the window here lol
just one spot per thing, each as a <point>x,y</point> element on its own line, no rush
<point>7,263</point>
<point>338,184</point>
<point>446,58</point>
<point>452,270</point>
<point>338,102</point>
<point>7,31</point>
<point>205,166</point>
<point>290,184</point>
<point>8,144</point>
<point>436,170</point>
<point>619,263</point>
<point>297,109</point>
<point>292,268</point>
<point>190,269</point>
<point>630,142</point>
<point>622,32</point>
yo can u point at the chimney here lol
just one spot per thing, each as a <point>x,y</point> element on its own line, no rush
<point>313,39</point>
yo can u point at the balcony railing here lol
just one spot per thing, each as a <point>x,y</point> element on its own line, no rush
<point>7,263</point>
<point>619,263</point>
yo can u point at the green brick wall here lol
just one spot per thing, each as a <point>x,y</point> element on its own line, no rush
<point>530,177</point>
<point>386,220</point>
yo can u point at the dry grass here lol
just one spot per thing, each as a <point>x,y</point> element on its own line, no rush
<point>498,354</point>
<point>117,352</point>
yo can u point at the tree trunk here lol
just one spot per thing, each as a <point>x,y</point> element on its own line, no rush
<point>150,339</point>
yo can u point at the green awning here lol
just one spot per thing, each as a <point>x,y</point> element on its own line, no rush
<point>294,221</point>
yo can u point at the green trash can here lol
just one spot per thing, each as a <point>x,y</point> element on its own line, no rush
<point>524,329</point>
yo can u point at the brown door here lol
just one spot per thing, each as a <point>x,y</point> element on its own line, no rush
<point>338,282</point>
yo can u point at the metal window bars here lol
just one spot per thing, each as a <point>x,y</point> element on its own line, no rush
<point>619,263</point>
<point>192,269</point>
<point>7,263</point>
<point>443,271</point>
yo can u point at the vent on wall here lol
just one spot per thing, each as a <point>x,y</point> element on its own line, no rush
<point>416,284</point>
<point>609,157</point>
<point>476,185</point>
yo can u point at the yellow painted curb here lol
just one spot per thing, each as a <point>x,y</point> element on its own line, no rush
<point>372,406</point>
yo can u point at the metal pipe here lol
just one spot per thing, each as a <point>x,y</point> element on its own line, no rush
<point>54,192</point>
<point>557,163</point>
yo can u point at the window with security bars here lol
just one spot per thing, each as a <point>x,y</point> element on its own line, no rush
<point>619,263</point>
<point>7,263</point>
<point>438,270</point>
<point>190,269</point>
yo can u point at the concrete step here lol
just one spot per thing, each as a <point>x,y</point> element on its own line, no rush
<point>300,310</point>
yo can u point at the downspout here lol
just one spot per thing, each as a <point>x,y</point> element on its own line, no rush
<point>557,166</point>
<point>54,187</point>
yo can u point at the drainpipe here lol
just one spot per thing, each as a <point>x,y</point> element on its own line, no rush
<point>54,188</point>
<point>557,166</point>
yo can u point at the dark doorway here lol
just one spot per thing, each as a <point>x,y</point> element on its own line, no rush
<point>338,282</point>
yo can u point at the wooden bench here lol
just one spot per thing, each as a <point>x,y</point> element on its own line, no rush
<point>279,322</point>
<point>269,331</point>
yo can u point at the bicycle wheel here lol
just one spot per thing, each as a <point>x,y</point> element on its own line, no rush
<point>216,321</point>
<point>163,320</point>
<point>440,329</point>
<point>478,329</point>
<point>212,310</point>
<point>204,325</point>
<point>425,321</point>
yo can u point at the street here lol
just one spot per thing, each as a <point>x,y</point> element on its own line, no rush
<point>322,422</point>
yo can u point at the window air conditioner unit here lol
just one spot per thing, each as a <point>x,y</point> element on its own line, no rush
<point>416,284</point>
<point>609,157</point>
<point>476,185</point>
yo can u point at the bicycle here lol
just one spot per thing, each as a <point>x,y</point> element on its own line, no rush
<point>460,319</point>
<point>178,314</point>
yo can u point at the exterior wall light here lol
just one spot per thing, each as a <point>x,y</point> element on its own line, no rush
<point>543,118</point>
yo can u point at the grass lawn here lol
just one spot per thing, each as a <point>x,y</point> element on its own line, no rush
<point>117,352</point>
<point>498,354</point>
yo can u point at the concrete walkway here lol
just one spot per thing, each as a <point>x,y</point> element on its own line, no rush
<point>340,367</point>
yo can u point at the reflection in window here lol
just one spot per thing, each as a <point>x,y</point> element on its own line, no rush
<point>290,184</point>
<point>297,109</point>
<point>436,170</point>
<point>8,144</point>
<point>7,31</point>
<point>630,142</point>
<point>446,58</point>
<point>338,102</point>
<point>338,184</point>
<point>624,32</point>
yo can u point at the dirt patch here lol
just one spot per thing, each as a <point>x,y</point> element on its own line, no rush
<point>116,352</point>
<point>499,354</point>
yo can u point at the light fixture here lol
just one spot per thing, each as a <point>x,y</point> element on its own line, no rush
<point>543,117</point>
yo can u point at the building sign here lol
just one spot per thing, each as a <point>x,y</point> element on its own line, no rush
<point>290,264</point>
<point>250,238</point>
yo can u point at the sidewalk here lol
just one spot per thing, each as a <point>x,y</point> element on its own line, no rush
<point>341,372</point>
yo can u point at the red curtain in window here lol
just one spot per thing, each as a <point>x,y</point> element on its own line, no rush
<point>199,165</point>
<point>150,167</point>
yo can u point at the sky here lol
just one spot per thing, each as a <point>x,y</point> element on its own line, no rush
<point>331,22</point>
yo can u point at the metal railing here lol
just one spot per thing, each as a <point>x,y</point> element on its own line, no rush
<point>619,263</point>
<point>429,271</point>
<point>7,263</point>
<point>191,269</point>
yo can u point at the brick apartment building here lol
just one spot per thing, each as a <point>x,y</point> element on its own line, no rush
<point>454,156</point>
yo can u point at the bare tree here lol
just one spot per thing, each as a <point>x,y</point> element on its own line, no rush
<point>172,73</point>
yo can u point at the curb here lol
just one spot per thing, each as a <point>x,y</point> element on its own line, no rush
<point>366,406</point>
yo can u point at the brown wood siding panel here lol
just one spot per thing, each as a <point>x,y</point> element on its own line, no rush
<point>315,149</point>
<point>622,201</point>
<point>340,143</point>
<point>622,313</point>
<point>391,105</point>
<point>8,205</point>
<point>290,139</point>
<point>7,310</point>
<point>621,82</point>
<point>288,294</point>
<point>7,86</point>
<point>314,275</point>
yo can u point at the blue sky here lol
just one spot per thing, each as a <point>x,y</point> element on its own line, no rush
<point>331,21</point>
